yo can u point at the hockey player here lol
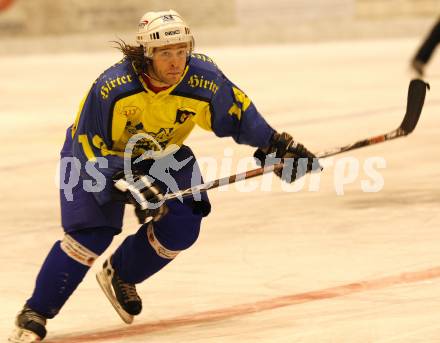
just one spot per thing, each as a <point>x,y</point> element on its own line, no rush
<point>156,94</point>
<point>426,49</point>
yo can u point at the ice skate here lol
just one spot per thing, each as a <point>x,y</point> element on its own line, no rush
<point>122,295</point>
<point>418,67</point>
<point>30,327</point>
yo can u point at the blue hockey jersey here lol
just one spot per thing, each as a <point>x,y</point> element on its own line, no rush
<point>119,105</point>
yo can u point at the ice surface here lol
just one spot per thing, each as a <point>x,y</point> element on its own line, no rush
<point>269,266</point>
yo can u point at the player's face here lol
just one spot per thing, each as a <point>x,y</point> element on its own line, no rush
<point>169,62</point>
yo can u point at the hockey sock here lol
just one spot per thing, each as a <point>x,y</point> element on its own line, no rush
<point>155,245</point>
<point>65,267</point>
<point>135,259</point>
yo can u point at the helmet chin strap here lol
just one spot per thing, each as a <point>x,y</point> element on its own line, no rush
<point>150,70</point>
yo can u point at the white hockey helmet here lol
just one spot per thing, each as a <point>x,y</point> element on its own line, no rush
<point>163,28</point>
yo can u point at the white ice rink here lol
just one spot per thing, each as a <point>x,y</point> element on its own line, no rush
<point>269,266</point>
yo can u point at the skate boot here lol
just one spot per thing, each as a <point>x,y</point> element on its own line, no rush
<point>418,68</point>
<point>122,295</point>
<point>30,327</point>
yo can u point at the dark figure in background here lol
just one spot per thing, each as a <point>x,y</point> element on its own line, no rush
<point>425,51</point>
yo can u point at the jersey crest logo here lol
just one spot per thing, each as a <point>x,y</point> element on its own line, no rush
<point>133,128</point>
<point>163,137</point>
<point>160,140</point>
<point>183,114</point>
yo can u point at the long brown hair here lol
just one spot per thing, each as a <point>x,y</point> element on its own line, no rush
<point>134,53</point>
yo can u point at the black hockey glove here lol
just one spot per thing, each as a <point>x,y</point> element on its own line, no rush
<point>296,158</point>
<point>140,192</point>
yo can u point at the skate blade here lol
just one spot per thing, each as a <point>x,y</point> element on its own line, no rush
<point>106,288</point>
<point>20,335</point>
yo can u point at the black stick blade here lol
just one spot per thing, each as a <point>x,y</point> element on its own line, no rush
<point>416,98</point>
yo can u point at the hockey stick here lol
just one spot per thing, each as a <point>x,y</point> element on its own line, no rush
<point>416,97</point>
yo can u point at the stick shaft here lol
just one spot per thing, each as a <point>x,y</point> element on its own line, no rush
<point>415,100</point>
<point>264,170</point>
